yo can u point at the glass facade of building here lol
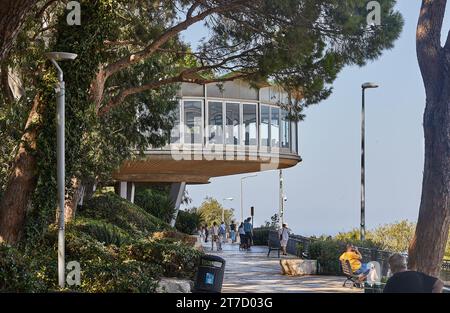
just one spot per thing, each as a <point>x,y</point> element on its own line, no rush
<point>220,120</point>
<point>193,122</point>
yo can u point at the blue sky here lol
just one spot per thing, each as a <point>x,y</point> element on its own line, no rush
<point>324,190</point>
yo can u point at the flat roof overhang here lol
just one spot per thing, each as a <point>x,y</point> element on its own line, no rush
<point>167,166</point>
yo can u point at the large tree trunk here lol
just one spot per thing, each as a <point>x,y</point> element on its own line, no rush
<point>73,195</point>
<point>427,248</point>
<point>12,16</point>
<point>22,180</point>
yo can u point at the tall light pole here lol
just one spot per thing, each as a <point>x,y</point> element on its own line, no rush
<point>223,208</point>
<point>60,156</point>
<point>242,199</point>
<point>281,209</point>
<point>363,158</point>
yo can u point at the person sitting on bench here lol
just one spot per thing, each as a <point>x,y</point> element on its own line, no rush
<point>354,257</point>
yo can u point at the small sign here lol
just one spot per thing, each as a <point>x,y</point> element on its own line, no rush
<point>252,211</point>
<point>209,279</point>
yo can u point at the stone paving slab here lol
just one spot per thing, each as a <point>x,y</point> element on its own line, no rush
<point>253,272</point>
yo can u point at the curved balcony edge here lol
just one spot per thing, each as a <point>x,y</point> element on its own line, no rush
<point>198,166</point>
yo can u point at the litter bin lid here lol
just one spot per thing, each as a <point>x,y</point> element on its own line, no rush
<point>213,258</point>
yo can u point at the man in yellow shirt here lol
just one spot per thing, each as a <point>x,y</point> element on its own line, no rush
<point>354,257</point>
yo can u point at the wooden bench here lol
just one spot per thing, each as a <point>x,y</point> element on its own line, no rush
<point>347,270</point>
<point>274,243</point>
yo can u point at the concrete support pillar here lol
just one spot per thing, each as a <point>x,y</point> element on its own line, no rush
<point>176,195</point>
<point>127,190</point>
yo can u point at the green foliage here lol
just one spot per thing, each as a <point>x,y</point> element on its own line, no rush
<point>101,231</point>
<point>112,209</point>
<point>327,253</point>
<point>16,274</point>
<point>156,202</point>
<point>211,211</point>
<point>188,221</point>
<point>261,235</point>
<point>103,269</point>
<point>394,237</point>
<point>176,258</point>
<point>111,240</point>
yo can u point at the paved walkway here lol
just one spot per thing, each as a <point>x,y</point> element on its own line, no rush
<point>252,271</point>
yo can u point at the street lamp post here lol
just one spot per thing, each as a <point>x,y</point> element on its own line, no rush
<point>363,159</point>
<point>223,208</point>
<point>242,199</point>
<point>282,200</point>
<point>60,156</point>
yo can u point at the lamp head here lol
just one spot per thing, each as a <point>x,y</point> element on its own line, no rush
<point>369,85</point>
<point>61,56</point>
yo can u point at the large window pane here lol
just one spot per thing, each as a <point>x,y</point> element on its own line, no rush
<point>193,122</point>
<point>293,137</point>
<point>232,124</point>
<point>175,132</point>
<point>285,129</point>
<point>265,126</point>
<point>249,117</point>
<point>275,127</point>
<point>215,122</point>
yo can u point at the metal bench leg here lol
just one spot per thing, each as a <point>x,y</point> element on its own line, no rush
<point>345,282</point>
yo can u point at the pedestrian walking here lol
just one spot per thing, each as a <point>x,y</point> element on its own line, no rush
<point>215,237</point>
<point>222,233</point>
<point>248,228</point>
<point>284,238</point>
<point>242,238</point>
<point>233,232</point>
<point>206,233</point>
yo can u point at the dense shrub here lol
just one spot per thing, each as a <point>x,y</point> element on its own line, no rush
<point>115,254</point>
<point>104,270</point>
<point>104,232</point>
<point>175,258</point>
<point>112,209</point>
<point>156,202</point>
<point>185,238</point>
<point>188,221</point>
<point>261,235</point>
<point>327,253</point>
<point>16,272</point>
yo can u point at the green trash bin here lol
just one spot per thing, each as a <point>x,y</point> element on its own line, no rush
<point>210,274</point>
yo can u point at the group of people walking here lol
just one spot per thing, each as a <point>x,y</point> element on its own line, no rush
<point>220,234</point>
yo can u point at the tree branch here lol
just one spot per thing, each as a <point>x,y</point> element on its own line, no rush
<point>184,77</point>
<point>98,85</point>
<point>170,33</point>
